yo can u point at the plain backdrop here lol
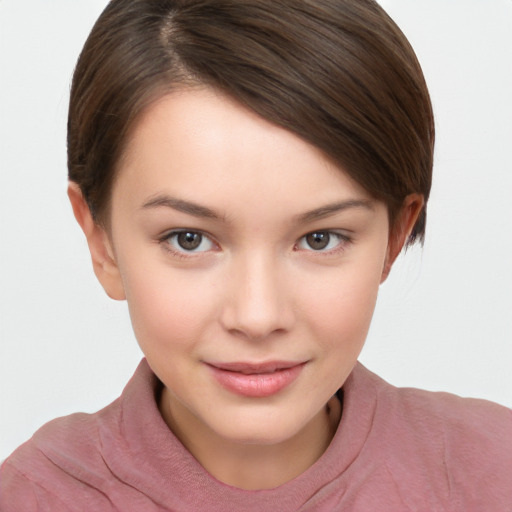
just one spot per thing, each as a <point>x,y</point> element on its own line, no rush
<point>444,318</point>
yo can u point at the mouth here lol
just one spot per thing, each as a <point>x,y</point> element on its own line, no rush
<point>256,380</point>
<point>255,368</point>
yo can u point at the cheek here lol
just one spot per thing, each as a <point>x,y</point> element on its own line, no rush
<point>168,308</point>
<point>341,307</point>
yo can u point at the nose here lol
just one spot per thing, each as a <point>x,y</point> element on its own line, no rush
<point>257,305</point>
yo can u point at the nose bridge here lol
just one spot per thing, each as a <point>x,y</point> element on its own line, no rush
<point>258,303</point>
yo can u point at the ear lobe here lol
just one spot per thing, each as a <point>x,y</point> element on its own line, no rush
<point>103,259</point>
<point>399,233</point>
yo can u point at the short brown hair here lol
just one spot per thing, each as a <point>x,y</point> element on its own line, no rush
<point>338,73</point>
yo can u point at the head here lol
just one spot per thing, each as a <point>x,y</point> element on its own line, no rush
<point>246,172</point>
<point>338,73</point>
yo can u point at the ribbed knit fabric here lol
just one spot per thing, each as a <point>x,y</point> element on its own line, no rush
<point>394,450</point>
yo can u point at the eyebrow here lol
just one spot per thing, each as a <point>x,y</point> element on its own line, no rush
<point>198,210</point>
<point>182,206</point>
<point>333,208</point>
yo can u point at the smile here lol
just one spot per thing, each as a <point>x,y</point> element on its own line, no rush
<point>256,380</point>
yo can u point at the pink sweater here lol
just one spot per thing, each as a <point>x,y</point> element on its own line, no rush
<point>394,450</point>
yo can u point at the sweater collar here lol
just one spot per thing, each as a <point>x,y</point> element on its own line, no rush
<point>144,453</point>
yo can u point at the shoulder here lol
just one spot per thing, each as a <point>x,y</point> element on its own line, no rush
<point>461,446</point>
<point>463,424</point>
<point>437,412</point>
<point>68,461</point>
<point>61,464</point>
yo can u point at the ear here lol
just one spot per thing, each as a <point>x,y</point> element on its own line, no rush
<point>400,231</point>
<point>100,247</point>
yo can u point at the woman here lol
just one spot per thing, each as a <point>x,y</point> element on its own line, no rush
<point>246,174</point>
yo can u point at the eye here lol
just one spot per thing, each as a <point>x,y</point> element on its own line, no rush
<point>188,241</point>
<point>321,241</point>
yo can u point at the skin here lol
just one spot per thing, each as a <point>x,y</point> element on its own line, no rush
<point>253,290</point>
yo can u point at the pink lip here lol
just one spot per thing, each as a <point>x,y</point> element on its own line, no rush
<point>256,380</point>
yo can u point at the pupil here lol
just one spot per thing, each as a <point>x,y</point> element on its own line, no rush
<point>318,241</point>
<point>189,241</point>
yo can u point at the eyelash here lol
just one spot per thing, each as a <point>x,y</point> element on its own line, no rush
<point>342,242</point>
<point>165,241</point>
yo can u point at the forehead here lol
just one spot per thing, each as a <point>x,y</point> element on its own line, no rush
<point>202,142</point>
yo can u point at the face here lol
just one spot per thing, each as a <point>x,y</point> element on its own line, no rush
<point>250,264</point>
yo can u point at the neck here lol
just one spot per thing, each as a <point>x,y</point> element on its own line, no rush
<point>254,466</point>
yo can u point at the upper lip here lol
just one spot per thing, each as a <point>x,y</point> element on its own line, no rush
<point>255,368</point>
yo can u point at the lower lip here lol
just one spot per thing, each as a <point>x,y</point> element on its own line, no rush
<point>256,385</point>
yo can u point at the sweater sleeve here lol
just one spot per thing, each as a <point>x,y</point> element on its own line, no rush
<point>17,493</point>
<point>30,482</point>
<point>48,474</point>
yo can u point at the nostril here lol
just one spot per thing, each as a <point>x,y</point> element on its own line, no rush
<point>254,323</point>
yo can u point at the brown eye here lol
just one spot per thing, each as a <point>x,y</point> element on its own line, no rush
<point>319,240</point>
<point>189,241</point>
<point>323,242</point>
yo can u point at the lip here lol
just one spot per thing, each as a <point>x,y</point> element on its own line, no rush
<point>256,380</point>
